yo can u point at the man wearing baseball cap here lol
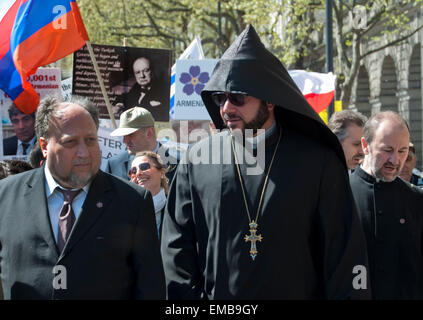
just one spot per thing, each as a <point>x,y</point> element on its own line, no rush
<point>136,125</point>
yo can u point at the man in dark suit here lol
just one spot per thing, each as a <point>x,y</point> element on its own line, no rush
<point>103,244</point>
<point>23,126</point>
<point>136,125</point>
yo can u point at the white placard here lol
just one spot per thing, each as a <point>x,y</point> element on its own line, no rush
<point>66,87</point>
<point>109,146</point>
<point>191,77</point>
<point>45,81</point>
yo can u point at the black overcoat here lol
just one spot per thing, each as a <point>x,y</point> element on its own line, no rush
<point>312,238</point>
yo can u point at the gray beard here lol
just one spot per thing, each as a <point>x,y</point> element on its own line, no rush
<point>377,172</point>
<point>74,181</point>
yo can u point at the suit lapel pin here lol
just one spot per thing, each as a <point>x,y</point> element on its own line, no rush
<point>99,204</point>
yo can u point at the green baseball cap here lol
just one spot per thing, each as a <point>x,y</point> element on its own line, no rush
<point>133,119</point>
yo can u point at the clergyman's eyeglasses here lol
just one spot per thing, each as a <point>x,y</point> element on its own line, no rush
<point>237,99</point>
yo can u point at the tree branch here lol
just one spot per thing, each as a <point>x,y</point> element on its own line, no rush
<point>392,43</point>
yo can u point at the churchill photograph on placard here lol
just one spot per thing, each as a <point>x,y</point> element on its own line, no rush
<point>132,77</point>
<point>150,89</point>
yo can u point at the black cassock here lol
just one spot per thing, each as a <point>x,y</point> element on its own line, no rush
<point>392,218</point>
<point>312,238</point>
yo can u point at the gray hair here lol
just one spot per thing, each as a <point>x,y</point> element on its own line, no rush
<point>373,123</point>
<point>46,112</point>
<point>341,120</point>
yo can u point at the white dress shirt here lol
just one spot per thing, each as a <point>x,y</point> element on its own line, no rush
<point>159,201</point>
<point>19,151</point>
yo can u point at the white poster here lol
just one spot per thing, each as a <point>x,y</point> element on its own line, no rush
<point>46,81</point>
<point>66,87</point>
<point>191,78</point>
<point>109,146</point>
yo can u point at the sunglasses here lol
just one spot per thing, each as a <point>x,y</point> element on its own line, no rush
<point>237,99</point>
<point>142,166</point>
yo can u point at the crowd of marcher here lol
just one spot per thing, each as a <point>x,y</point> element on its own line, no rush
<point>275,204</point>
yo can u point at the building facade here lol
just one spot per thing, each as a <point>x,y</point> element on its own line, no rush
<point>391,79</point>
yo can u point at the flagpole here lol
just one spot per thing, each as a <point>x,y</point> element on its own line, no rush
<point>329,62</point>
<point>100,80</point>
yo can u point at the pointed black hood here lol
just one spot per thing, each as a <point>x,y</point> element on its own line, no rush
<point>247,66</point>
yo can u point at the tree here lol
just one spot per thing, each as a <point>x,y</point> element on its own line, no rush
<point>296,35</point>
<point>170,24</point>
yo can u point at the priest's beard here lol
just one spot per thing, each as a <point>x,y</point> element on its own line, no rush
<point>260,119</point>
<point>263,114</point>
<point>377,171</point>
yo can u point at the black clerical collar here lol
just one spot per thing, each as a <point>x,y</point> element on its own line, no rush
<point>368,177</point>
<point>270,136</point>
<point>271,130</point>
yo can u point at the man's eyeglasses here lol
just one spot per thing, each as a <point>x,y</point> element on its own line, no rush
<point>237,99</point>
<point>142,166</point>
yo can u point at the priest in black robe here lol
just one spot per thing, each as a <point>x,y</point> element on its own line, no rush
<point>390,210</point>
<point>268,215</point>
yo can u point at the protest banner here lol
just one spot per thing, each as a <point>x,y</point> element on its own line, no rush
<point>119,67</point>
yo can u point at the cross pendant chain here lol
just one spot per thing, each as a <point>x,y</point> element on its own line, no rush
<point>253,238</point>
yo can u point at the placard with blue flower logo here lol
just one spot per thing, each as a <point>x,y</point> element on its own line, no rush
<point>190,79</point>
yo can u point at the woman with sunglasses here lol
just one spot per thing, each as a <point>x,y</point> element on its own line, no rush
<point>148,171</point>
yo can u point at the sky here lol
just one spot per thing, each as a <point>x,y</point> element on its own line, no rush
<point>4,6</point>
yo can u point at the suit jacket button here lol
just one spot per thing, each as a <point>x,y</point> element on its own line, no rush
<point>402,220</point>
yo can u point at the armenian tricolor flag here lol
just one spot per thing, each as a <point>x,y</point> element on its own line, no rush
<point>36,33</point>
